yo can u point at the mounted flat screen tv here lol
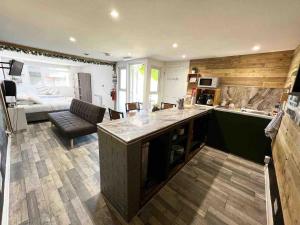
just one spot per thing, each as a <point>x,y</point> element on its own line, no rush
<point>16,68</point>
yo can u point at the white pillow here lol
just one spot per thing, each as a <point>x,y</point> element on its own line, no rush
<point>35,99</point>
<point>22,96</point>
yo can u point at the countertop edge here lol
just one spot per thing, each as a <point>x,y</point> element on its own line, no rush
<point>161,129</point>
<point>245,113</point>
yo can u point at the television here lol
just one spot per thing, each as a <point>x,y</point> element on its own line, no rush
<point>16,68</point>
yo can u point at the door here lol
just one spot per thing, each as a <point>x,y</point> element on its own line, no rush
<point>122,89</point>
<point>84,87</point>
<point>154,86</point>
<point>136,81</point>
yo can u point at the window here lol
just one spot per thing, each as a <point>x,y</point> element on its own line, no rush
<point>123,78</point>
<point>49,77</point>
<point>137,75</point>
<point>57,78</point>
<point>154,85</point>
<point>35,77</point>
<point>154,80</point>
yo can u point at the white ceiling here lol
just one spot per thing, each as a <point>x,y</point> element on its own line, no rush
<point>148,28</point>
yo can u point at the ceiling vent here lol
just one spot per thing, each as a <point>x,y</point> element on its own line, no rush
<point>127,57</point>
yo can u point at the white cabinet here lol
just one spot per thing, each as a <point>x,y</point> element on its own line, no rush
<point>17,118</point>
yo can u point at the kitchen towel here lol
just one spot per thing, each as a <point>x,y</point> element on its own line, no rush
<point>273,127</point>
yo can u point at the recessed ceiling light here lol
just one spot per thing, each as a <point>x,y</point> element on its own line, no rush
<point>174,45</point>
<point>256,47</point>
<point>114,14</point>
<point>72,39</point>
<point>183,56</point>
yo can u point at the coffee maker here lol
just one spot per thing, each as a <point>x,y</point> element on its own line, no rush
<point>202,99</point>
<point>205,98</point>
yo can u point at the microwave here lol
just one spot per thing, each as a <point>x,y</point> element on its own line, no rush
<point>208,82</point>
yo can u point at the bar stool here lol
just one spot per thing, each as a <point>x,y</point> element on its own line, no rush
<point>115,115</point>
<point>133,106</point>
<point>165,105</point>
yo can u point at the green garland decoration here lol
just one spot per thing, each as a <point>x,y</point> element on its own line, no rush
<point>52,54</point>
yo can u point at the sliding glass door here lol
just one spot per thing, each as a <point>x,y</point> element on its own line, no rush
<point>136,83</point>
<point>130,84</point>
<point>122,86</point>
<point>136,80</point>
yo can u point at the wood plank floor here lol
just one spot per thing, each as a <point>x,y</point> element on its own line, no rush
<point>53,185</point>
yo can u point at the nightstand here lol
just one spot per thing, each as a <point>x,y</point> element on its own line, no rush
<point>17,118</point>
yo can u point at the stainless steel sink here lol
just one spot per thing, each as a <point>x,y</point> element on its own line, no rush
<point>255,111</point>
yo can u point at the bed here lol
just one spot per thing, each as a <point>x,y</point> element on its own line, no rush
<point>38,107</point>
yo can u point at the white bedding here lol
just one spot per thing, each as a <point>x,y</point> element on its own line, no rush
<point>47,103</point>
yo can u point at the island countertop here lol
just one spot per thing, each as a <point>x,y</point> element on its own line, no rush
<point>145,123</point>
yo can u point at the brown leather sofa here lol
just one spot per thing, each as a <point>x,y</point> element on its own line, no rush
<point>80,120</point>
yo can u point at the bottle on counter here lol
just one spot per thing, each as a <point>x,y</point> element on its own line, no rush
<point>180,103</point>
<point>193,98</point>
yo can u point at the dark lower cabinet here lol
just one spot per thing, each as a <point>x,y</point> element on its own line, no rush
<point>240,135</point>
<point>199,132</point>
<point>164,154</point>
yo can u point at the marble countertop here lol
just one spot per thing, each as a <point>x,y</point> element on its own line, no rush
<point>145,123</point>
<point>244,113</point>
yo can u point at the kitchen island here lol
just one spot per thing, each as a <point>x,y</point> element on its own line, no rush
<point>139,154</point>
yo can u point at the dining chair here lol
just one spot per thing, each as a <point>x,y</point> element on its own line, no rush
<point>165,105</point>
<point>133,106</point>
<point>115,115</point>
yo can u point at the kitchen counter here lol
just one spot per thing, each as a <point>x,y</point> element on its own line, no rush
<point>261,114</point>
<point>139,154</point>
<point>243,112</point>
<point>145,123</point>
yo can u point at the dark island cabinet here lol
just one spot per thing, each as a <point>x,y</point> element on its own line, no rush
<point>131,172</point>
<point>240,135</point>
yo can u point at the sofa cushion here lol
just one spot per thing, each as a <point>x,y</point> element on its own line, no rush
<point>92,113</point>
<point>71,125</point>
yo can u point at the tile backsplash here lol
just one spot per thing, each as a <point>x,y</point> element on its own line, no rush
<point>263,99</point>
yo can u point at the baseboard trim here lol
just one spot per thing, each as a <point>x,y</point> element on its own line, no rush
<point>269,210</point>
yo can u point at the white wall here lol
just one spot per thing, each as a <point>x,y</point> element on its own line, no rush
<point>24,86</point>
<point>101,76</point>
<point>175,80</point>
<point>41,63</point>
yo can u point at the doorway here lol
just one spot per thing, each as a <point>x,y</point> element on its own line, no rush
<point>136,81</point>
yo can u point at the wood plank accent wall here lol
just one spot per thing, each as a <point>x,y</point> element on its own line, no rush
<point>286,156</point>
<point>293,68</point>
<point>267,70</point>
